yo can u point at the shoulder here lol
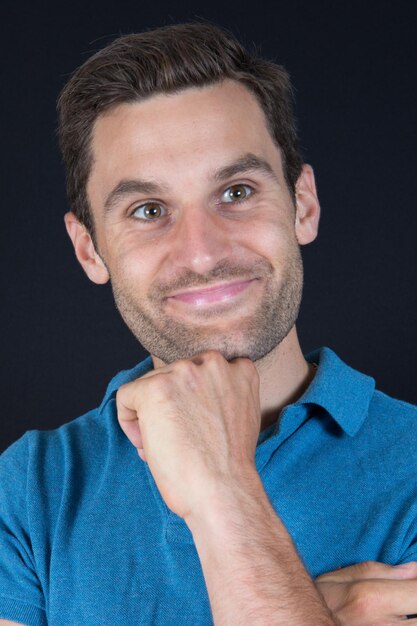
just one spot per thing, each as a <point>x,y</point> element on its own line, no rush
<point>384,406</point>
<point>46,475</point>
<point>395,423</point>
<point>90,434</point>
<point>45,458</point>
<point>46,461</point>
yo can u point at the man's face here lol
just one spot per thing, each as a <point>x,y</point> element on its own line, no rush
<point>195,223</point>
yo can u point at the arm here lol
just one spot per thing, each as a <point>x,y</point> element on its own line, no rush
<point>21,596</point>
<point>252,571</point>
<point>196,423</point>
<point>5,622</point>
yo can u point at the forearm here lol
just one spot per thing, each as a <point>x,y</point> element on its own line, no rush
<point>251,568</point>
<point>200,446</point>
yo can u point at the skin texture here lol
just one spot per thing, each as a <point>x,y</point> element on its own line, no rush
<point>253,239</point>
<point>179,142</point>
<point>210,283</point>
<point>371,594</point>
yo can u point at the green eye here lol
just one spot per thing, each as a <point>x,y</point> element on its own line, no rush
<point>236,193</point>
<point>149,211</point>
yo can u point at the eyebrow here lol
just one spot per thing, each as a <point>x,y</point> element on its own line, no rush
<point>247,163</point>
<point>130,187</point>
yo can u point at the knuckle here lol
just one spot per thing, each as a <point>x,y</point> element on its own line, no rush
<point>212,356</point>
<point>183,365</point>
<point>158,384</point>
<point>184,370</point>
<point>246,363</point>
<point>368,567</point>
<point>209,360</point>
<point>364,599</point>
<point>250,370</point>
<point>121,393</point>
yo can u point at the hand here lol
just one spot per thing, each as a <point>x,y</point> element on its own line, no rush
<point>371,594</point>
<point>196,423</point>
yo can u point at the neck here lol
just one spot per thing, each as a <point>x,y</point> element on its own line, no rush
<point>284,376</point>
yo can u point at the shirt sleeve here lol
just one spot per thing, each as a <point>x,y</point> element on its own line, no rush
<point>21,596</point>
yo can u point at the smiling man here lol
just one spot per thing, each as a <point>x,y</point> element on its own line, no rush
<point>260,469</point>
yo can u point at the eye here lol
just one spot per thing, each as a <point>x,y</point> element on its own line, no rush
<point>149,211</point>
<point>237,193</point>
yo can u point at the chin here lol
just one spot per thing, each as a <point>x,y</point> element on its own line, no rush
<point>230,349</point>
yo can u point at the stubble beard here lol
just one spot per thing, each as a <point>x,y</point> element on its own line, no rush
<point>253,336</point>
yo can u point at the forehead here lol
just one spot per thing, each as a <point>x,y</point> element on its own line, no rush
<point>169,136</point>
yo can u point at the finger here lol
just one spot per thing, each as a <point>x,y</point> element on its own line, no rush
<point>198,359</point>
<point>380,599</point>
<point>127,415</point>
<point>370,569</point>
<point>396,597</point>
<point>208,356</point>
<point>132,431</point>
<point>141,454</point>
<point>159,371</point>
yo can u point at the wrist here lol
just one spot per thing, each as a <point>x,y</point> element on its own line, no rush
<point>250,564</point>
<point>226,506</point>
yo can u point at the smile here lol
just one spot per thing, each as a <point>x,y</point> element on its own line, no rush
<point>214,294</point>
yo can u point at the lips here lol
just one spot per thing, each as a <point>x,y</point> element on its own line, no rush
<point>215,294</point>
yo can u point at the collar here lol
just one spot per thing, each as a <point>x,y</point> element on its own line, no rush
<point>123,377</point>
<point>341,391</point>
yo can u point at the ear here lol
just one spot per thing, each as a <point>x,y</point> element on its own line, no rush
<point>307,207</point>
<point>85,251</point>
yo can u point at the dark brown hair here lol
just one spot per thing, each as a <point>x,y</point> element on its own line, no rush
<point>166,60</point>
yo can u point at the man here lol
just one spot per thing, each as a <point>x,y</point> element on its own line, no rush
<point>259,469</point>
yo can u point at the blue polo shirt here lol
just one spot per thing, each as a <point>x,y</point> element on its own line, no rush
<point>86,539</point>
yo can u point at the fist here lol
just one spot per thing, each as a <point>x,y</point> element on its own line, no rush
<point>196,423</point>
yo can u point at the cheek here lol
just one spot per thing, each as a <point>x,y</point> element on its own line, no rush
<point>131,259</point>
<point>272,238</point>
<point>131,269</point>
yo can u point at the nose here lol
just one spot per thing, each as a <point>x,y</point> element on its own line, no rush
<point>201,240</point>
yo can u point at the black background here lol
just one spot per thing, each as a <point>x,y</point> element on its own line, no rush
<point>354,68</point>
